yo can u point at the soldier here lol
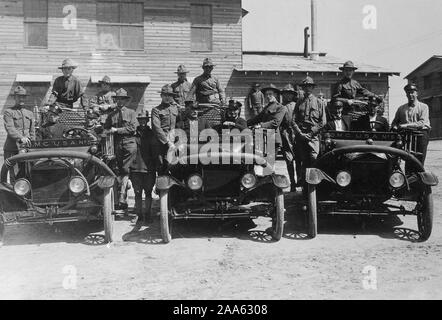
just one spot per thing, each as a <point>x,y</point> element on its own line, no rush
<point>51,128</point>
<point>19,124</point>
<point>347,88</point>
<point>255,100</point>
<point>272,114</point>
<point>206,87</point>
<point>287,134</point>
<point>164,118</point>
<point>67,89</point>
<point>192,118</point>
<point>308,119</point>
<point>122,122</point>
<point>142,171</point>
<point>181,87</point>
<point>233,116</point>
<point>372,121</point>
<point>414,115</point>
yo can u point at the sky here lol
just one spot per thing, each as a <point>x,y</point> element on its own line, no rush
<point>407,32</point>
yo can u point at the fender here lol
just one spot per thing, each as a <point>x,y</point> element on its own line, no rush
<point>315,176</point>
<point>166,182</point>
<point>280,181</point>
<point>429,178</point>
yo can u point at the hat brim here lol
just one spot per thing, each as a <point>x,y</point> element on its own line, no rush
<point>99,81</point>
<point>288,91</point>
<point>269,88</point>
<point>168,94</point>
<point>307,84</point>
<point>75,67</point>
<point>343,68</point>
<point>208,65</point>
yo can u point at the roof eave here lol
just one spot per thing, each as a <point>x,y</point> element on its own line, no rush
<point>420,66</point>
<point>390,73</point>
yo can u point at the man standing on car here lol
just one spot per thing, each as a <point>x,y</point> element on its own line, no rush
<point>347,88</point>
<point>19,124</point>
<point>206,87</point>
<point>164,118</point>
<point>142,171</point>
<point>67,89</point>
<point>255,101</point>
<point>122,122</point>
<point>308,120</point>
<point>287,134</point>
<point>414,115</point>
<point>181,87</point>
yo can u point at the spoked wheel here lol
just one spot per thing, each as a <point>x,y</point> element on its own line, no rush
<point>108,216</point>
<point>165,221</point>
<point>425,215</point>
<point>312,212</point>
<point>278,218</point>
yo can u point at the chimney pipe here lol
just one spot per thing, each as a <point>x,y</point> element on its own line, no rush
<point>306,36</point>
<point>314,25</point>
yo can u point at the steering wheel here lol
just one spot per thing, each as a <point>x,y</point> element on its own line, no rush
<point>75,133</point>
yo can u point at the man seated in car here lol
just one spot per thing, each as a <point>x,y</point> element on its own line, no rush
<point>233,118</point>
<point>192,120</point>
<point>51,128</point>
<point>338,122</point>
<point>372,121</point>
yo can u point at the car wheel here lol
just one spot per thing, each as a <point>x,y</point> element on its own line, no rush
<point>2,231</point>
<point>278,219</point>
<point>165,224</point>
<point>108,216</point>
<point>425,216</point>
<point>312,212</point>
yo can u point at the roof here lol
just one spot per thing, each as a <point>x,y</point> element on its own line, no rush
<point>295,62</point>
<point>410,75</point>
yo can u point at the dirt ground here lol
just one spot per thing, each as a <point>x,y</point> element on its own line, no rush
<point>350,259</point>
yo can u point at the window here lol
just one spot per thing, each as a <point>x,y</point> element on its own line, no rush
<point>120,26</point>
<point>35,14</point>
<point>438,106</point>
<point>427,82</point>
<point>201,25</point>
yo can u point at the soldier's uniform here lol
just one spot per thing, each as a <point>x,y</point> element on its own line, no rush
<point>206,87</point>
<point>164,119</point>
<point>67,90</point>
<point>124,120</point>
<point>255,101</point>
<point>271,116</point>
<point>287,136</point>
<point>347,89</point>
<point>181,88</point>
<point>19,124</point>
<point>143,171</point>
<point>308,119</point>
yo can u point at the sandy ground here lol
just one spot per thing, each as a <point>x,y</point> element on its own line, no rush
<point>350,259</point>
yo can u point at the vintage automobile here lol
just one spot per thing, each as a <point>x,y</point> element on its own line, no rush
<point>370,173</point>
<point>58,179</point>
<point>195,187</point>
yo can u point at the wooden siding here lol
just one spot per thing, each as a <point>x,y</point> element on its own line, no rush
<point>167,32</point>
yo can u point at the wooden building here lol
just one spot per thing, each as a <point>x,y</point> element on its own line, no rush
<point>139,44</point>
<point>428,78</point>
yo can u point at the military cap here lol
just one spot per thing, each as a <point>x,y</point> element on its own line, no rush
<point>348,65</point>
<point>375,100</point>
<point>121,94</point>
<point>20,91</point>
<point>410,87</point>
<point>68,63</point>
<point>256,85</point>
<point>337,104</point>
<point>167,90</point>
<point>105,79</point>
<point>182,69</point>
<point>208,62</point>
<point>288,88</point>
<point>271,87</point>
<point>234,105</point>
<point>143,116</point>
<point>308,81</point>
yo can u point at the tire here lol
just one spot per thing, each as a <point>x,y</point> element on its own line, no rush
<point>278,219</point>
<point>108,217</point>
<point>312,212</point>
<point>425,216</point>
<point>165,224</point>
<point>2,231</point>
